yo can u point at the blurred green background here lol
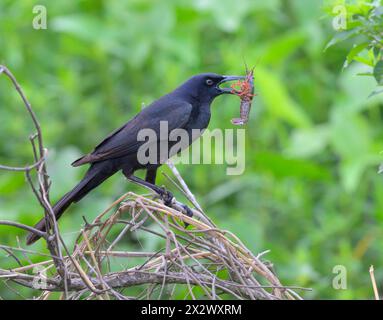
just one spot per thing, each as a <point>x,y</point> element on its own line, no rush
<point>310,192</point>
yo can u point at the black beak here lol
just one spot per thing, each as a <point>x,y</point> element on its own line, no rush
<point>226,79</point>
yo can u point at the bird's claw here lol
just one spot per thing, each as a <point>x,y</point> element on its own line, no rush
<point>167,197</point>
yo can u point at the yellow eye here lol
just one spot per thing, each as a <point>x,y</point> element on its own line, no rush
<point>209,82</point>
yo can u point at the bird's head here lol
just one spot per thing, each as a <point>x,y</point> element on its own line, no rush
<point>206,86</point>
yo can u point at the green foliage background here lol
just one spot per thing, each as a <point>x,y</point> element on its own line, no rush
<point>310,193</point>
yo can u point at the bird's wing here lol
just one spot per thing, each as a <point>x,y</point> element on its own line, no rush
<point>123,141</point>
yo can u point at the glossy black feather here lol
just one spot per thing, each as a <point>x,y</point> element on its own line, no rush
<point>187,107</point>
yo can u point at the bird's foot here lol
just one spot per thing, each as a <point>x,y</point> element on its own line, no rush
<point>167,197</point>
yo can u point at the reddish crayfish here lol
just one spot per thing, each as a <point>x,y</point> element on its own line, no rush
<point>245,91</point>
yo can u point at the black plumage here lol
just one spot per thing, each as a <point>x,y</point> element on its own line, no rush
<point>187,107</point>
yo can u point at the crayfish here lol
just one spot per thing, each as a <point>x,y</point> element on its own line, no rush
<point>245,91</point>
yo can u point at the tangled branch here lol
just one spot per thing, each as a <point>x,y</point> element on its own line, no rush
<point>202,256</point>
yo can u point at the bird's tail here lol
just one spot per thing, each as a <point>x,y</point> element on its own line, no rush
<point>94,177</point>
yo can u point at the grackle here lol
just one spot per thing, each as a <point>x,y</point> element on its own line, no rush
<point>187,107</point>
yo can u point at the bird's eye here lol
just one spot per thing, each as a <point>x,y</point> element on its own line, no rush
<point>209,82</point>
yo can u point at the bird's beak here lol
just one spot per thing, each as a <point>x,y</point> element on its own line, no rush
<point>226,79</point>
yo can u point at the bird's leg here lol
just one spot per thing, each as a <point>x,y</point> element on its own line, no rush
<point>151,178</point>
<point>165,195</point>
<point>151,175</point>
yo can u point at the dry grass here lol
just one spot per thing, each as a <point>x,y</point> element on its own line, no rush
<point>202,256</point>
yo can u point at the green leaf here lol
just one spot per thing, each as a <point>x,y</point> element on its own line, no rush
<point>375,92</point>
<point>355,51</point>
<point>365,61</point>
<point>376,50</point>
<point>356,89</point>
<point>365,74</point>
<point>341,36</point>
<point>378,72</point>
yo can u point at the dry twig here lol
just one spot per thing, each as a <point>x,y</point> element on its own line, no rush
<point>203,256</point>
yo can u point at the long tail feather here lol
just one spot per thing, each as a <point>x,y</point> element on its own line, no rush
<point>92,179</point>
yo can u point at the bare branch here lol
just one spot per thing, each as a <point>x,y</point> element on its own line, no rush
<point>39,153</point>
<point>23,226</point>
<point>26,168</point>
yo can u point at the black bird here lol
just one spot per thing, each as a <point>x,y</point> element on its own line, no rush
<point>187,107</point>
